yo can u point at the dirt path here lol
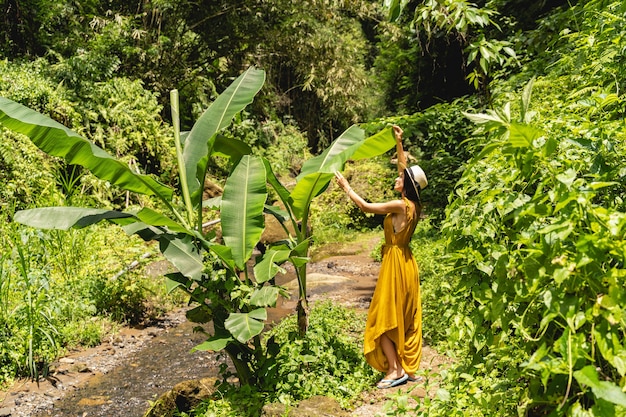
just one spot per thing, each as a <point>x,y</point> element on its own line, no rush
<point>127,372</point>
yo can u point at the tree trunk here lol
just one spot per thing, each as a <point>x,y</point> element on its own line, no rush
<point>303,316</point>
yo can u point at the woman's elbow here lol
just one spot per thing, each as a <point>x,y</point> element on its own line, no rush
<point>366,208</point>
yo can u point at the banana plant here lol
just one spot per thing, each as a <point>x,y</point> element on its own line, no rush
<point>313,179</point>
<point>213,274</point>
<point>178,230</point>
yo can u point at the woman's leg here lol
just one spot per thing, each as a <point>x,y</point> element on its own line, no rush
<point>395,370</point>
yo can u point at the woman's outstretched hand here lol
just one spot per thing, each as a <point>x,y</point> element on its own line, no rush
<point>397,132</point>
<point>342,182</point>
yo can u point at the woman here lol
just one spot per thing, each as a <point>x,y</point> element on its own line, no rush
<point>393,333</point>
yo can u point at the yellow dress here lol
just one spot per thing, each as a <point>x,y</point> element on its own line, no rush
<point>396,303</point>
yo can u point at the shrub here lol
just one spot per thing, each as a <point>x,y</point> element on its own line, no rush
<point>328,361</point>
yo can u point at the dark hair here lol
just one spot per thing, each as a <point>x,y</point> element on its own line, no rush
<point>411,187</point>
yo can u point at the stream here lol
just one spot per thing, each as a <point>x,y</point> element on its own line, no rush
<point>150,363</point>
<point>124,375</point>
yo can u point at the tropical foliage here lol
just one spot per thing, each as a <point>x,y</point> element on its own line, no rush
<point>535,233</point>
<point>227,296</point>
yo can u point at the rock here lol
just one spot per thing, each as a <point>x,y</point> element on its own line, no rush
<point>274,410</point>
<point>182,398</point>
<point>317,406</point>
<point>80,367</point>
<point>5,412</point>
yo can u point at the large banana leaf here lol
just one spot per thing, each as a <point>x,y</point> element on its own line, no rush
<point>57,140</point>
<point>281,190</point>
<point>65,218</point>
<point>177,248</point>
<point>217,342</point>
<point>199,143</point>
<point>317,172</point>
<point>373,146</point>
<point>265,296</point>
<point>183,254</point>
<point>230,148</point>
<point>243,201</point>
<point>154,218</point>
<point>270,265</point>
<point>307,188</point>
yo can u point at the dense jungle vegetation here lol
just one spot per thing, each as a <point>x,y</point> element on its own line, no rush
<point>514,110</point>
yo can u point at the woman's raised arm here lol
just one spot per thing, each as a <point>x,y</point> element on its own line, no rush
<point>397,133</point>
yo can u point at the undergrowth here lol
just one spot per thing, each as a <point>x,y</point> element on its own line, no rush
<point>62,290</point>
<point>328,361</point>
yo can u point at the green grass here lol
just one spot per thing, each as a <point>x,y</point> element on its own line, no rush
<point>61,290</point>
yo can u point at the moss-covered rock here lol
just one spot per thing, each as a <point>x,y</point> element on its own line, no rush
<point>183,397</point>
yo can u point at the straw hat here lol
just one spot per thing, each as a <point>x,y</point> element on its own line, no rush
<point>414,182</point>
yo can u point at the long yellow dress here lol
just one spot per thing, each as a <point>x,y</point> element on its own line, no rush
<point>396,303</point>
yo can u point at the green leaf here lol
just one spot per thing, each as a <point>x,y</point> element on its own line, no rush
<point>281,190</point>
<point>299,261</point>
<point>333,157</point>
<point>244,326</point>
<point>394,9</point>
<point>57,140</point>
<point>375,145</point>
<point>144,231</point>
<point>317,172</point>
<point>199,143</point>
<point>490,119</point>
<point>180,250</point>
<point>306,189</point>
<point>225,255</point>
<point>265,297</point>
<point>64,218</point>
<point>268,267</point>
<point>523,136</point>
<point>550,147</point>
<point>199,314</point>
<point>611,348</point>
<point>214,344</point>
<point>609,99</point>
<point>596,185</point>
<point>230,148</point>
<point>278,213</point>
<point>213,203</point>
<point>243,202</point>
<point>183,254</point>
<point>443,394</point>
<point>302,249</point>
<point>567,178</point>
<point>351,144</point>
<point>154,218</point>
<point>510,52</point>
<point>601,389</point>
<point>488,149</point>
<point>525,101</point>
<point>175,280</point>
